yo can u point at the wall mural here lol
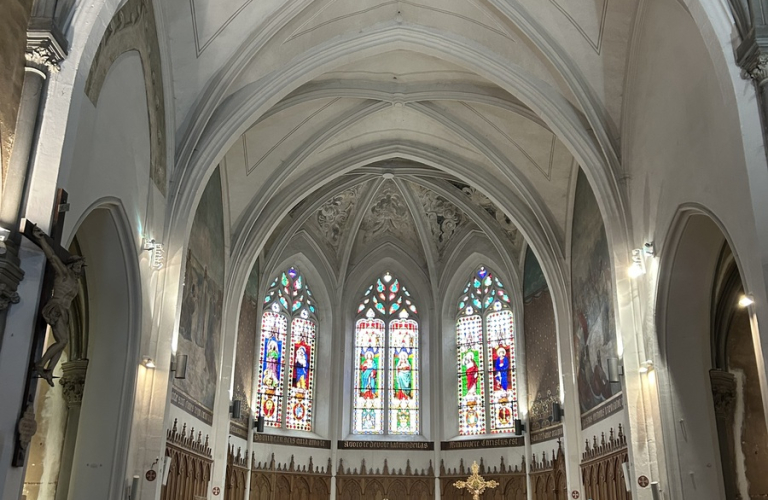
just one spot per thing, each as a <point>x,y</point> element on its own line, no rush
<point>540,350</point>
<point>246,337</point>
<point>200,323</point>
<point>594,326</point>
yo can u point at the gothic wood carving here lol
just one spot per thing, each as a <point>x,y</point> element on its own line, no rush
<point>191,462</point>
<point>548,479</point>
<point>512,484</point>
<point>402,484</point>
<point>601,470</point>
<point>271,481</point>
<point>237,475</point>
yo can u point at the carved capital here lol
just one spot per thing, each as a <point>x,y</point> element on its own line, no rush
<point>73,381</point>
<point>44,52</point>
<point>723,393</point>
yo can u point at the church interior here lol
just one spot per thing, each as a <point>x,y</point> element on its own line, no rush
<point>383,249</point>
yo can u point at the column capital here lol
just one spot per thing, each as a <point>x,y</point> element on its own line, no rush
<point>10,274</point>
<point>73,381</point>
<point>44,52</point>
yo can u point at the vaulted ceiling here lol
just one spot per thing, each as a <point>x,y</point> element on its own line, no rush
<point>408,121</point>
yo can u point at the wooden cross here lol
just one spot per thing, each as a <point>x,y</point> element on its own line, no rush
<point>475,484</point>
<point>26,427</point>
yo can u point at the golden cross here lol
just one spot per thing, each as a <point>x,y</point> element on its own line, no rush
<point>475,483</point>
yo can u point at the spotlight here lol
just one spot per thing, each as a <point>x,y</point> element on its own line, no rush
<point>179,366</point>
<point>646,366</point>
<point>557,412</point>
<point>148,362</point>
<point>236,409</point>
<point>260,424</point>
<point>519,427</point>
<point>637,268</point>
<point>746,301</point>
<point>614,370</point>
<point>156,253</point>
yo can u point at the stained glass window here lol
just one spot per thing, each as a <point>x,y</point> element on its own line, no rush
<point>289,301</point>
<point>386,340</point>
<point>485,318</point>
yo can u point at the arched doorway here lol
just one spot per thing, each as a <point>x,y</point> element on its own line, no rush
<point>90,407</point>
<point>707,375</point>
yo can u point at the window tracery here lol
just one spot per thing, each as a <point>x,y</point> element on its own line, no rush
<point>485,318</point>
<point>288,302</point>
<point>386,340</point>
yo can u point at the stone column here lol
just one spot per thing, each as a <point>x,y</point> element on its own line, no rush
<point>72,384</point>
<point>724,396</point>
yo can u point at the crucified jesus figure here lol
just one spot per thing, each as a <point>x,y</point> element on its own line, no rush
<point>56,310</point>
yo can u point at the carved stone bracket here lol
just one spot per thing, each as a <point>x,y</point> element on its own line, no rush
<point>73,381</point>
<point>10,275</point>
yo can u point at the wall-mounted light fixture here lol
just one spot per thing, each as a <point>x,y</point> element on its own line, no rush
<point>646,366</point>
<point>236,409</point>
<point>746,300</point>
<point>179,366</point>
<point>4,234</point>
<point>637,268</point>
<point>615,370</point>
<point>156,253</point>
<point>148,362</point>
<point>260,424</point>
<point>649,249</point>
<point>557,412</point>
<point>519,427</point>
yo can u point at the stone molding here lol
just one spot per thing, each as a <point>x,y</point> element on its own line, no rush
<point>133,28</point>
<point>11,274</point>
<point>723,392</point>
<point>44,52</point>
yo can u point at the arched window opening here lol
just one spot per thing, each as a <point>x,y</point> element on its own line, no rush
<point>386,340</point>
<point>289,319</point>
<point>485,318</point>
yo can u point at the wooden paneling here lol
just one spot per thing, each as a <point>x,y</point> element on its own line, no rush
<point>272,481</point>
<point>548,479</point>
<point>190,470</point>
<point>237,475</point>
<point>385,484</point>
<point>601,471</point>
<point>512,485</point>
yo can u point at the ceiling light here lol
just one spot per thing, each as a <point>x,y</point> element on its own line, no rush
<point>746,301</point>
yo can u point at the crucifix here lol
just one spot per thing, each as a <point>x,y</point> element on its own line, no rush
<point>60,285</point>
<point>475,484</point>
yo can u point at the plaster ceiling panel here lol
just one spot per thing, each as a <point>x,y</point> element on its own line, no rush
<point>444,219</point>
<point>268,145</point>
<point>395,124</point>
<point>201,37</point>
<point>595,34</point>
<point>401,66</point>
<point>387,218</point>
<point>334,219</point>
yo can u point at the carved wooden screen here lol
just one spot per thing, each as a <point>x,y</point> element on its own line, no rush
<point>380,484</point>
<point>601,470</point>
<point>237,474</point>
<point>271,481</point>
<point>548,480</point>
<point>512,485</point>
<point>191,462</point>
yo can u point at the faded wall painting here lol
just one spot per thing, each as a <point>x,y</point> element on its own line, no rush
<point>543,373</point>
<point>594,326</point>
<point>244,359</point>
<point>200,324</point>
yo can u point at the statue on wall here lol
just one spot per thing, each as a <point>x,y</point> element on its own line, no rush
<point>56,310</point>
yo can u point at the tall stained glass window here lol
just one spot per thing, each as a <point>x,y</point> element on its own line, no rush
<point>485,340</point>
<point>288,325</point>
<point>386,379</point>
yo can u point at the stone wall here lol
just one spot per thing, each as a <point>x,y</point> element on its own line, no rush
<point>13,40</point>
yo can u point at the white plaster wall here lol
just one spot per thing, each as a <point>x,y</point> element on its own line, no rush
<point>682,143</point>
